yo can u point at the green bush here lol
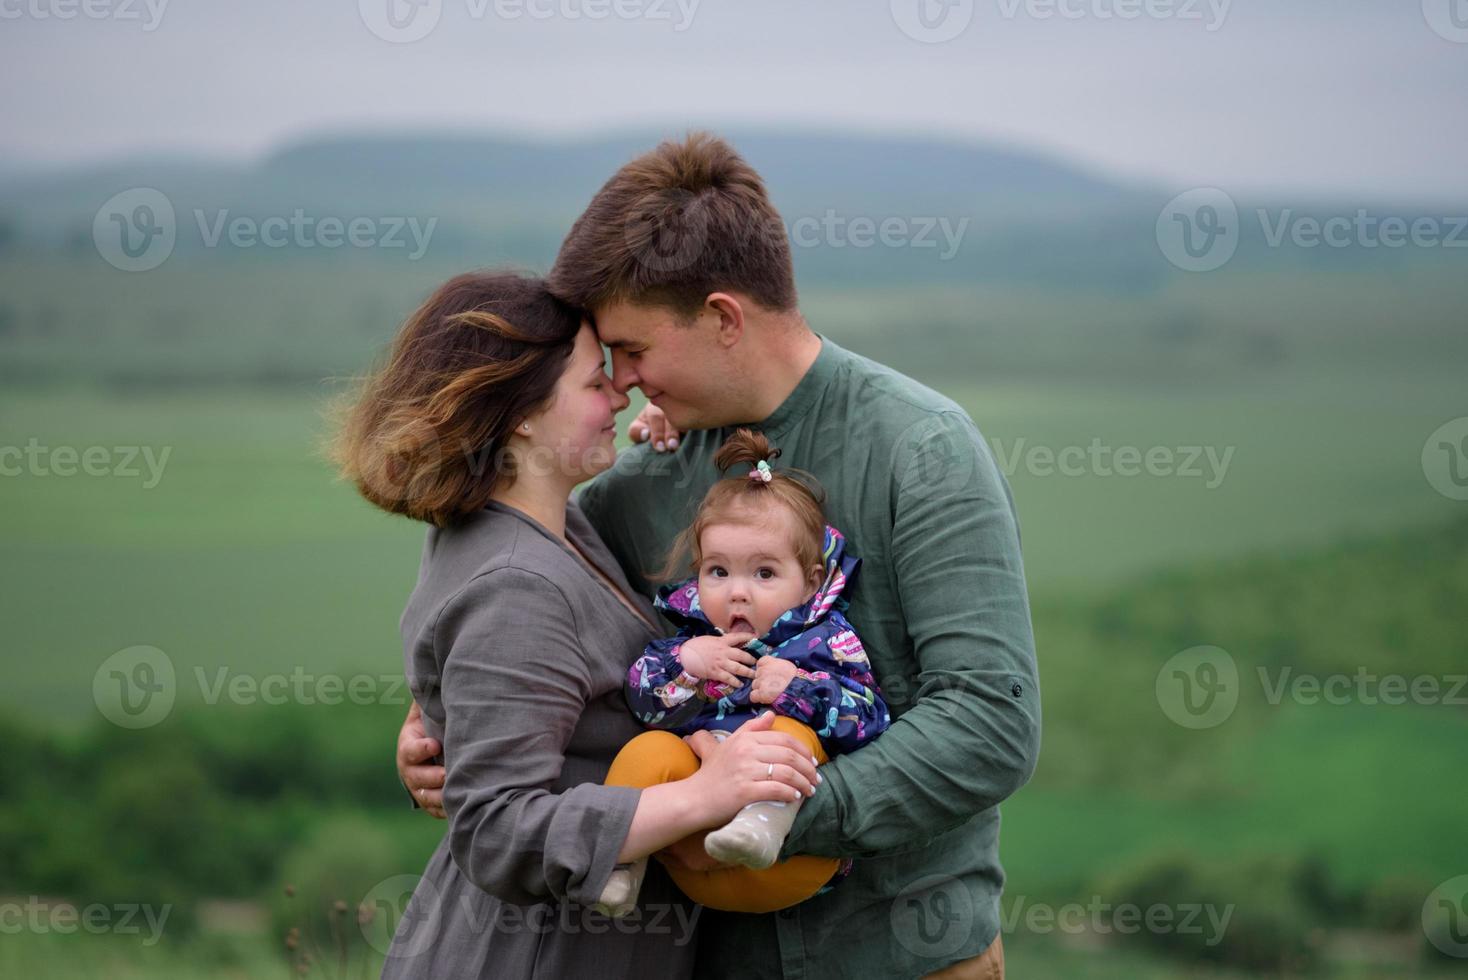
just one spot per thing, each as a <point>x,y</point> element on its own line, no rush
<point>1273,922</point>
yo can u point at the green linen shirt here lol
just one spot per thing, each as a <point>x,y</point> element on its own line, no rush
<point>941,608</point>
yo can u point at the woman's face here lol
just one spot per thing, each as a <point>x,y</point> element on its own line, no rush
<point>576,432</point>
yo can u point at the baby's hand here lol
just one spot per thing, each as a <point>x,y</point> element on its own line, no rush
<point>771,676</point>
<point>718,658</point>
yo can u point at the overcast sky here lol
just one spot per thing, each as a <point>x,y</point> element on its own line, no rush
<point>1351,95</point>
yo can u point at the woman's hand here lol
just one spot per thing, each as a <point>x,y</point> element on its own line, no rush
<point>651,425</point>
<point>416,752</point>
<point>718,658</point>
<point>754,763</point>
<point>771,676</point>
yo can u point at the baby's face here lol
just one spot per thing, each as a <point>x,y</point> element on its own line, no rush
<point>750,575</point>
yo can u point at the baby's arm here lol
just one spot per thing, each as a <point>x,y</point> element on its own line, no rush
<point>659,691</point>
<point>842,704</point>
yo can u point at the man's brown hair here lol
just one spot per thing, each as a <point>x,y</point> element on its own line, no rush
<point>425,435</point>
<point>684,220</point>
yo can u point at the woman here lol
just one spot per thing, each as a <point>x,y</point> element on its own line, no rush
<point>493,405</point>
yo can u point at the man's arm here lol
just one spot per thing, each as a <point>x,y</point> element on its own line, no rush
<point>971,735</point>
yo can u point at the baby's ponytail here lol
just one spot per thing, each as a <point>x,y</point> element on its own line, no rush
<point>745,458</point>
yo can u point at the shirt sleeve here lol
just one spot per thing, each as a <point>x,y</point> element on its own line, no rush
<point>515,684</point>
<point>970,736</point>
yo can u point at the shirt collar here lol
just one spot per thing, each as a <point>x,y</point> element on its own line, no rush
<point>800,401</point>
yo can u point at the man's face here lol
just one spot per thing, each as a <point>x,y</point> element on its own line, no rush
<point>679,365</point>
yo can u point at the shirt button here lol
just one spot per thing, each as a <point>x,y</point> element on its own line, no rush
<point>1016,690</point>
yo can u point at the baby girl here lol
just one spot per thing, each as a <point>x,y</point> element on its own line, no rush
<point>764,607</point>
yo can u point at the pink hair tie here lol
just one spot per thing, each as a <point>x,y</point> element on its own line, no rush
<point>761,472</point>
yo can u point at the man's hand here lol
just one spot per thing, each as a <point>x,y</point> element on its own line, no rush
<point>651,425</point>
<point>771,676</point>
<point>718,658</point>
<point>415,754</point>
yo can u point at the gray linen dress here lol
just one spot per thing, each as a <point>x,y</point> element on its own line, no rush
<point>518,654</point>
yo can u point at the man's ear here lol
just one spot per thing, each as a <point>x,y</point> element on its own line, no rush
<point>730,313</point>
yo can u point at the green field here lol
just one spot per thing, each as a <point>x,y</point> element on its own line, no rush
<point>1321,548</point>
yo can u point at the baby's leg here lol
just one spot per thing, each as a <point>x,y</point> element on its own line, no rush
<point>650,759</point>
<point>757,832</point>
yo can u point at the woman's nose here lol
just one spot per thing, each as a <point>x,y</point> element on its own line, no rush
<point>619,399</point>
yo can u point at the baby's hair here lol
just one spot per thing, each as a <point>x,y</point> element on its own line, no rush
<point>740,499</point>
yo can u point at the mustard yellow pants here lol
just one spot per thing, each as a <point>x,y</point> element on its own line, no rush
<point>656,757</point>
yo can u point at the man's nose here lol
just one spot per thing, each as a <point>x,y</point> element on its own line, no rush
<point>624,377</point>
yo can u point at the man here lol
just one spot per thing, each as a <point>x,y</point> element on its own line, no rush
<point>685,267</point>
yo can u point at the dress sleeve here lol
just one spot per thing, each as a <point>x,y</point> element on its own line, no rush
<point>515,684</point>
